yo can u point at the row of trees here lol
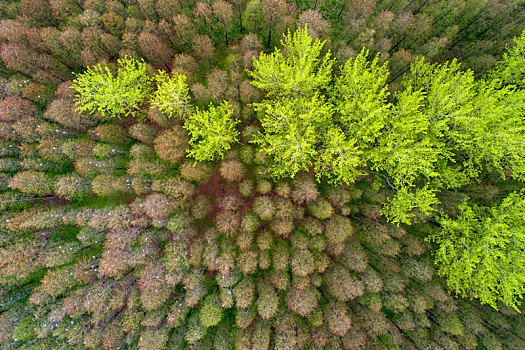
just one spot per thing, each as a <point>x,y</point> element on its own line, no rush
<point>46,40</point>
<point>129,91</point>
<point>122,277</point>
<point>443,130</point>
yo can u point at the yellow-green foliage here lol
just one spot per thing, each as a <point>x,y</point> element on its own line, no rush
<point>99,90</point>
<point>480,252</point>
<point>211,131</point>
<point>298,70</point>
<point>210,313</point>
<point>321,209</point>
<point>172,95</point>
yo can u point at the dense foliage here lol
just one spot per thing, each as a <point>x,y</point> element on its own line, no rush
<point>171,180</point>
<point>443,130</point>
<point>481,251</point>
<point>212,132</point>
<point>100,91</point>
<point>172,95</point>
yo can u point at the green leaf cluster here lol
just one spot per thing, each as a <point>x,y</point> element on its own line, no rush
<point>481,251</point>
<point>210,313</point>
<point>123,93</point>
<point>511,69</point>
<point>212,132</point>
<point>295,71</point>
<point>291,126</point>
<point>172,95</point>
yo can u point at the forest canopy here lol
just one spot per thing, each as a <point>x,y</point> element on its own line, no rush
<point>433,136</point>
<point>263,174</point>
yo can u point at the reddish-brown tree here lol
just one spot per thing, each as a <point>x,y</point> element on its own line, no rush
<point>228,222</point>
<point>184,30</point>
<point>18,58</point>
<point>147,7</point>
<point>304,189</point>
<point>154,50</point>
<point>232,170</point>
<point>154,291</point>
<point>248,93</point>
<point>32,182</point>
<point>63,111</point>
<point>107,184</point>
<point>203,47</point>
<point>302,301</point>
<point>337,318</point>
<point>15,108</point>
<point>217,83</point>
<point>277,15</point>
<point>204,13</point>
<point>158,205</point>
<point>72,187</point>
<point>38,11</point>
<point>113,23</point>
<point>317,26</point>
<point>341,284</point>
<point>112,133</point>
<point>64,9</point>
<point>71,45</point>
<point>13,31</point>
<point>143,133</point>
<point>200,93</point>
<point>224,13</point>
<point>142,166</point>
<point>166,9</point>
<point>177,188</point>
<point>172,144</point>
<point>197,173</point>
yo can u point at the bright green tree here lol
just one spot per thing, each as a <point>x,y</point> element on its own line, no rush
<point>124,93</point>
<point>291,131</point>
<point>356,131</point>
<point>511,69</point>
<point>172,95</point>
<point>212,132</point>
<point>447,130</point>
<point>494,135</point>
<point>407,154</point>
<point>360,94</point>
<point>444,131</point>
<point>340,159</point>
<point>295,71</point>
<point>412,150</point>
<point>481,251</point>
